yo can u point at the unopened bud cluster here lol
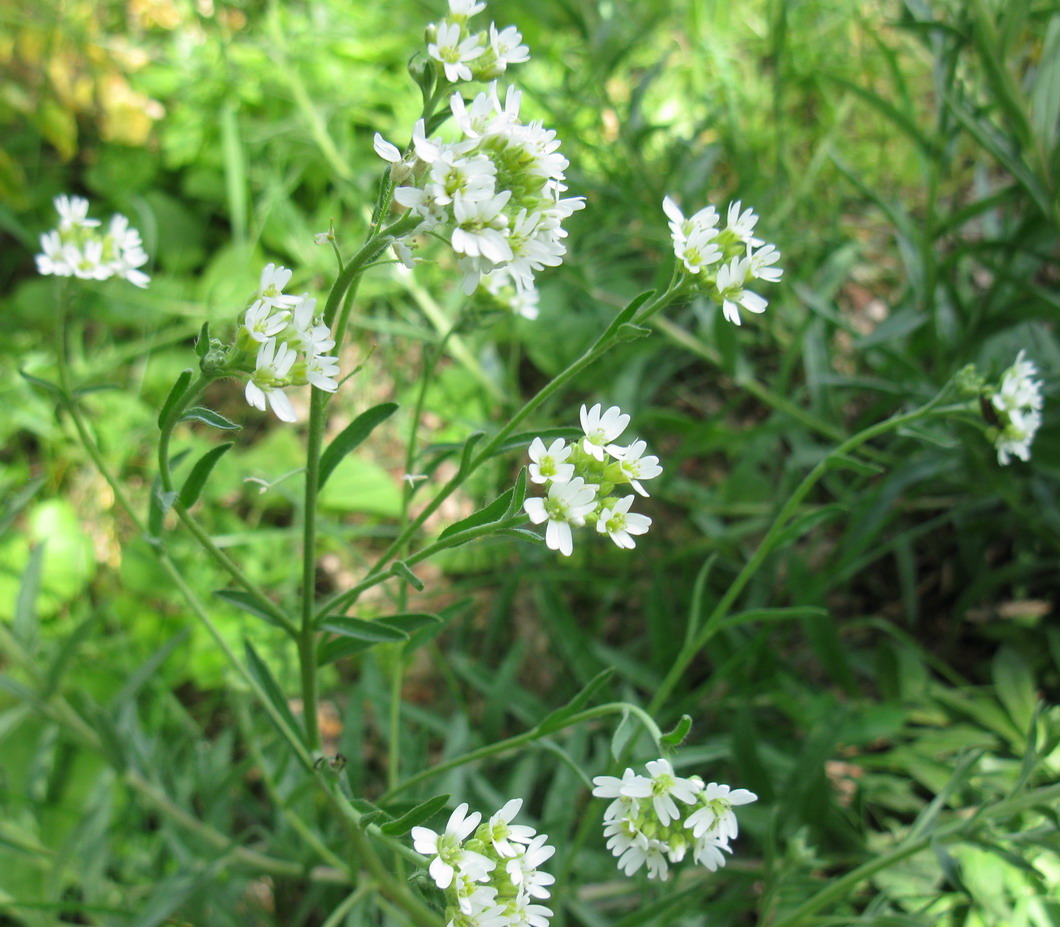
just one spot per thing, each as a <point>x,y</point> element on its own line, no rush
<point>80,248</point>
<point>658,819</point>
<point>723,261</point>
<point>584,480</point>
<point>281,342</point>
<point>490,871</point>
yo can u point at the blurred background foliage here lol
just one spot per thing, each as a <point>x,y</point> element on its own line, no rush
<point>903,156</point>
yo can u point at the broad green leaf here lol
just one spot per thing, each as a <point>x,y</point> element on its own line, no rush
<point>375,632</point>
<point>558,718</point>
<point>352,436</point>
<point>200,473</point>
<point>209,417</point>
<point>280,715</point>
<point>180,387</point>
<point>410,819</point>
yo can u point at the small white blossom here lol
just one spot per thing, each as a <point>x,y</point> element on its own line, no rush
<point>732,278</point>
<point>637,467</point>
<point>550,464</point>
<point>566,504</point>
<point>273,280</point>
<point>507,48</point>
<point>453,52</point>
<point>270,376</point>
<point>502,833</point>
<point>601,428</point>
<point>447,848</point>
<point>261,323</point>
<point>716,816</point>
<point>1018,401</point>
<point>619,523</point>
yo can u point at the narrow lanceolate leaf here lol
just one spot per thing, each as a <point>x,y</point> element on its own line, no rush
<point>492,513</point>
<point>209,417</point>
<point>280,715</point>
<point>161,502</point>
<point>202,343</point>
<point>515,504</point>
<point>410,819</point>
<point>175,395</point>
<point>469,449</point>
<point>45,385</point>
<point>558,718</point>
<point>626,315</point>
<point>411,622</point>
<point>358,628</point>
<point>200,473</point>
<point>248,603</point>
<point>25,626</point>
<point>328,651</point>
<point>400,568</point>
<point>624,733</point>
<point>351,437</point>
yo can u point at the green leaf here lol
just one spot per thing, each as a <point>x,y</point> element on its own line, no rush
<point>410,622</point>
<point>625,316</point>
<point>200,473</point>
<point>1014,680</point>
<point>799,525</point>
<point>209,417</point>
<point>369,813</point>
<point>375,632</point>
<point>627,331</point>
<point>175,395</point>
<point>149,668</point>
<point>624,733</point>
<point>16,503</point>
<point>496,511</point>
<point>410,819</point>
<point>161,502</point>
<point>45,385</point>
<point>676,737</point>
<point>202,343</point>
<point>400,568</point>
<point>523,534</point>
<point>248,603</point>
<point>26,624</point>
<point>846,462</point>
<point>558,718</point>
<point>469,448</point>
<point>351,437</point>
<point>515,505</point>
<point>772,614</point>
<point>281,713</point>
<point>328,651</point>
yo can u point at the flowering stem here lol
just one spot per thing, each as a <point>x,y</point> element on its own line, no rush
<point>600,347</point>
<point>765,546</point>
<point>307,656</point>
<point>521,740</point>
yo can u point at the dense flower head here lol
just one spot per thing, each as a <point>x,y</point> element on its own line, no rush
<point>583,481</point>
<point>281,341</point>
<point>80,248</point>
<point>461,53</point>
<point>1017,404</point>
<point>495,191</point>
<point>655,820</point>
<point>723,261</point>
<point>489,870</point>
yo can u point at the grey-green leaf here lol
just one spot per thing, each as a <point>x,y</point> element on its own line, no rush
<point>200,473</point>
<point>351,437</point>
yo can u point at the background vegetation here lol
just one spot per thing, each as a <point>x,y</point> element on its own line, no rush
<point>894,716</point>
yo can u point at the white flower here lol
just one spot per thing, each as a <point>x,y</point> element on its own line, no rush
<point>471,895</point>
<point>480,224</point>
<point>566,504</point>
<point>681,229</point>
<point>523,868</point>
<point>452,52</point>
<point>321,371</point>
<point>273,280</point>
<point>708,853</point>
<point>465,7</point>
<point>1018,390</point>
<point>742,223</point>
<point>619,523</point>
<point>270,376</point>
<point>502,833</point>
<point>601,429</point>
<point>1015,439</point>
<point>73,213</point>
<point>57,260</point>
<point>665,786</point>
<point>550,464</point>
<point>506,46</point>
<point>637,467</point>
<point>261,323</point>
<point>731,280</point>
<point>306,330</point>
<point>716,818</point>
<point>699,250</point>
<point>448,850</point>
<point>761,261</point>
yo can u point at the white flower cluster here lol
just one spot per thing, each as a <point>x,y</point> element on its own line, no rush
<point>656,819</point>
<point>79,248</point>
<point>1018,402</point>
<point>724,261</point>
<point>497,189</point>
<point>289,343</point>
<point>582,479</point>
<point>465,55</point>
<point>490,872</point>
